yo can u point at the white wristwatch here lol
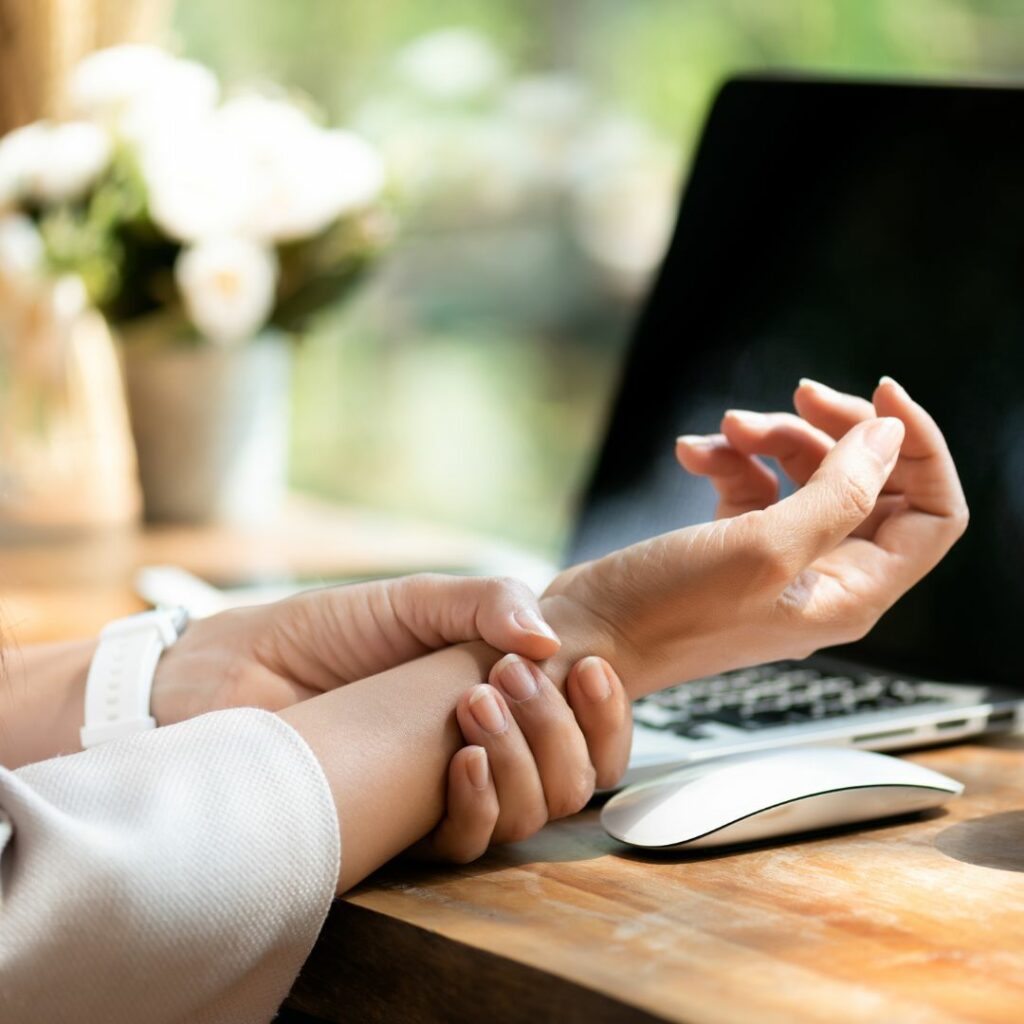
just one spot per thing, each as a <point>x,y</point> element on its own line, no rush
<point>120,680</point>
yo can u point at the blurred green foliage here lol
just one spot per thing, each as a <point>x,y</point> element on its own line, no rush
<point>468,382</point>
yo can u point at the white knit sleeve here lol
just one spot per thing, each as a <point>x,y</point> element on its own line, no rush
<point>177,875</point>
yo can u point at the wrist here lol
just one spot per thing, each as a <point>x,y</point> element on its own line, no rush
<point>43,693</point>
<point>118,689</point>
<point>582,634</point>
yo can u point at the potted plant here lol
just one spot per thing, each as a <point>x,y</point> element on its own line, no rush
<point>207,229</point>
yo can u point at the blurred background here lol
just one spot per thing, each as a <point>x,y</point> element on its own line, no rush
<point>534,151</point>
<point>545,142</point>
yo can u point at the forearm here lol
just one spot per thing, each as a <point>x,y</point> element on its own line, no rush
<point>42,701</point>
<point>385,744</point>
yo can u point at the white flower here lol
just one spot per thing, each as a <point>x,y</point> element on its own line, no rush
<point>451,65</point>
<point>52,162</point>
<point>199,184</point>
<point>21,250</point>
<point>22,154</point>
<point>299,178</point>
<point>307,185</point>
<point>228,286</point>
<point>258,168</point>
<point>75,155</point>
<point>68,299</point>
<point>135,87</point>
<point>346,174</point>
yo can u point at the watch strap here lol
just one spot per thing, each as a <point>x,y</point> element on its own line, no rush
<point>120,680</point>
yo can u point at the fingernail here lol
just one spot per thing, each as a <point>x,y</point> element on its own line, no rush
<point>751,419</point>
<point>529,620</point>
<point>487,711</point>
<point>594,681</point>
<point>694,441</point>
<point>476,768</point>
<point>815,385</point>
<point>884,437</point>
<point>895,383</point>
<point>516,678</point>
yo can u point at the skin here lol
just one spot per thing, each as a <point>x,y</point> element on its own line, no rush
<point>542,764</point>
<point>272,656</point>
<point>766,580</point>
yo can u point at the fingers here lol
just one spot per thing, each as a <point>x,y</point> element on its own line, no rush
<point>443,610</point>
<point>837,499</point>
<point>485,721</point>
<point>555,740</point>
<point>928,474</point>
<point>544,755</point>
<point>743,483</point>
<point>925,476</point>
<point>798,446</point>
<point>471,812</point>
<point>605,716</point>
<point>934,512</point>
<point>829,410</point>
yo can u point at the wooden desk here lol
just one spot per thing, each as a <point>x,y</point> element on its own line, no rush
<point>59,588</point>
<point>920,922</point>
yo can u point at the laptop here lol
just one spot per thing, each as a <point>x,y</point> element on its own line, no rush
<point>837,230</point>
<point>840,230</point>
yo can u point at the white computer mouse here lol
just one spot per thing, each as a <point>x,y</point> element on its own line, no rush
<point>748,797</point>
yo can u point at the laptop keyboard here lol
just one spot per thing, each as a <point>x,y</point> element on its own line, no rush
<point>782,693</point>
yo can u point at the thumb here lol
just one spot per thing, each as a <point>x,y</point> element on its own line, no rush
<point>838,497</point>
<point>503,612</point>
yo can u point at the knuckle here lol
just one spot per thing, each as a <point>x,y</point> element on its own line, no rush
<point>859,623</point>
<point>574,796</point>
<point>758,550</point>
<point>960,519</point>
<point>419,583</point>
<point>464,852</point>
<point>609,775</point>
<point>525,824</point>
<point>775,564</point>
<point>500,587</point>
<point>855,499</point>
<point>864,624</point>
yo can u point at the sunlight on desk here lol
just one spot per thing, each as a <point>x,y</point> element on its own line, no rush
<point>920,921</point>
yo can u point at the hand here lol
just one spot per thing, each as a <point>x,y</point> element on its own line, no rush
<point>532,756</point>
<point>771,579</point>
<point>275,655</point>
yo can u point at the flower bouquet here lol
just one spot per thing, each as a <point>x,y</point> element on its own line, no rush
<point>204,228</point>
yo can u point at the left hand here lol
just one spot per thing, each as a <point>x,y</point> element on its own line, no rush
<point>275,655</point>
<point>879,506</point>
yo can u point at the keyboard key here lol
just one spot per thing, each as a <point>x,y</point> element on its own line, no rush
<point>778,694</point>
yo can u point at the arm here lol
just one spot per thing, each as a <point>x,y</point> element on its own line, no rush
<point>385,743</point>
<point>181,874</point>
<point>42,701</point>
<point>813,570</point>
<point>271,656</point>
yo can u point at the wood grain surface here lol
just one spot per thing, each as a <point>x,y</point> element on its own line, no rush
<point>915,922</point>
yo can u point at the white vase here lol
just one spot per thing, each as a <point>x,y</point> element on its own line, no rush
<point>211,428</point>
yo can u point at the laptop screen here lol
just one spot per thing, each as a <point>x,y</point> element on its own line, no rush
<point>840,231</point>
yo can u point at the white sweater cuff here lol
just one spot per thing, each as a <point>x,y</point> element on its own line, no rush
<point>176,875</point>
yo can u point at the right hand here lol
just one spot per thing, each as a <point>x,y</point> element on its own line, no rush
<point>530,757</point>
<point>778,580</point>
